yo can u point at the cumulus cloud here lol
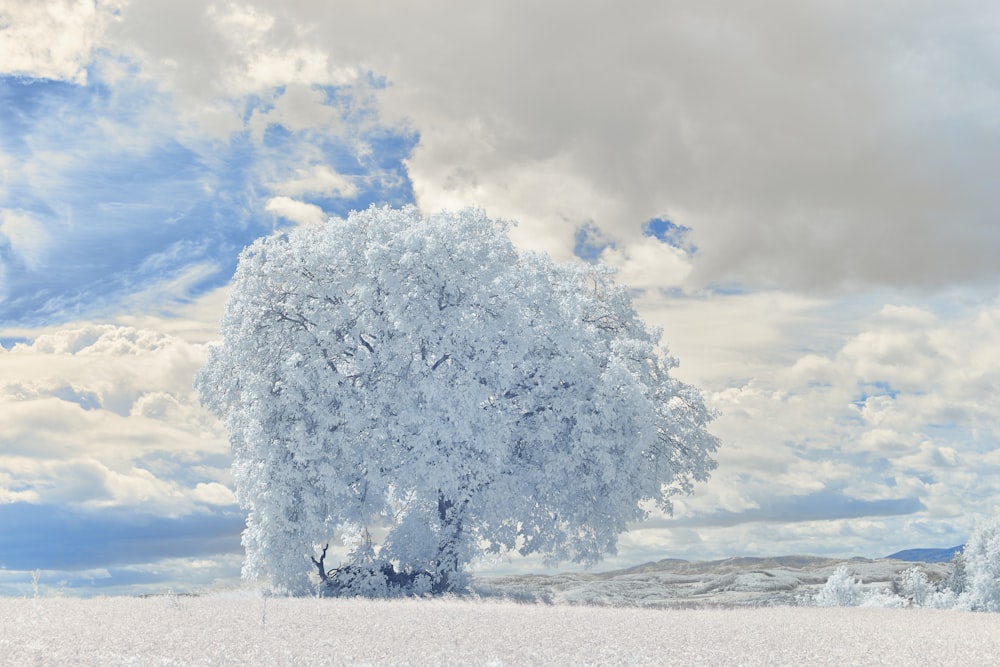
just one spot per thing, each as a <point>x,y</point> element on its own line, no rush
<point>889,429</point>
<point>103,417</point>
<point>648,263</point>
<point>803,146</point>
<point>319,179</point>
<point>296,211</point>
<point>52,39</point>
<point>107,460</point>
<point>211,56</point>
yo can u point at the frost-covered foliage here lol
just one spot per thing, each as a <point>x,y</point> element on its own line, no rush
<point>973,583</point>
<point>417,378</point>
<point>883,598</point>
<point>956,577</point>
<point>914,585</point>
<point>840,590</point>
<point>982,566</point>
<point>911,589</point>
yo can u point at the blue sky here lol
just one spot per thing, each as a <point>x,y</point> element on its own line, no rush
<point>801,196</point>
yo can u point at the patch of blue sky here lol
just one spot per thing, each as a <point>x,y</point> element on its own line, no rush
<point>126,196</point>
<point>355,109</point>
<point>828,504</point>
<point>726,289</point>
<point>670,233</point>
<point>54,537</point>
<point>590,242</point>
<point>24,100</point>
<point>377,173</point>
<point>874,389</point>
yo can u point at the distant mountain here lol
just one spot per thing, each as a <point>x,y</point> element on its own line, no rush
<point>927,555</point>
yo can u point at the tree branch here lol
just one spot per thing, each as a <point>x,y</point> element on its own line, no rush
<point>319,563</point>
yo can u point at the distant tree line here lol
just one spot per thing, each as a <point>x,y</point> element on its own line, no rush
<point>972,583</point>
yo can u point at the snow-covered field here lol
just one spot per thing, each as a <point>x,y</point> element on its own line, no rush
<point>245,629</point>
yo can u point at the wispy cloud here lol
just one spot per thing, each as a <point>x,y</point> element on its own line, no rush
<point>108,193</point>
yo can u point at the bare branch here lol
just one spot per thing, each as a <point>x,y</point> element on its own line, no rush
<point>319,563</point>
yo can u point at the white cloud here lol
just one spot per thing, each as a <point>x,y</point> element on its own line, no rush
<point>27,236</point>
<point>213,493</point>
<point>649,263</point>
<point>296,211</point>
<point>210,56</point>
<point>807,145</point>
<point>105,416</point>
<point>316,180</point>
<point>53,38</point>
<point>298,107</point>
<point>196,321</point>
<point>898,413</point>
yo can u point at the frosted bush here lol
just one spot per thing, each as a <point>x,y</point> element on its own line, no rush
<point>945,599</point>
<point>840,590</point>
<point>883,598</point>
<point>915,586</point>
<point>982,567</point>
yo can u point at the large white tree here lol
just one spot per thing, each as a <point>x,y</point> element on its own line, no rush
<point>419,380</point>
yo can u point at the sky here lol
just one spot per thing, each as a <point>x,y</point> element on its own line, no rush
<point>799,192</point>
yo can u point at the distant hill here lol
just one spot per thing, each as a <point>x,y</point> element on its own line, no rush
<point>731,582</point>
<point>927,555</point>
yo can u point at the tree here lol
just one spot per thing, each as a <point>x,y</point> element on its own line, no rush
<point>982,566</point>
<point>956,573</point>
<point>840,590</point>
<point>419,380</point>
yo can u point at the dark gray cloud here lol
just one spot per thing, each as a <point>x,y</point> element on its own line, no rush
<point>808,145</point>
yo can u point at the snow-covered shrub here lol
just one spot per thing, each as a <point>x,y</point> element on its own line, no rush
<point>956,575</point>
<point>840,590</point>
<point>358,581</point>
<point>982,567</point>
<point>915,586</point>
<point>883,598</point>
<point>945,599</point>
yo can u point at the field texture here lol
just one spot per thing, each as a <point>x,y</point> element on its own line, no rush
<point>249,629</point>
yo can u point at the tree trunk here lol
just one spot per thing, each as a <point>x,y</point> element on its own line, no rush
<point>449,561</point>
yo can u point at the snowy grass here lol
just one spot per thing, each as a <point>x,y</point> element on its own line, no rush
<point>244,629</point>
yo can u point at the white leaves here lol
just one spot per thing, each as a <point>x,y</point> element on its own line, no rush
<point>392,355</point>
<point>840,590</point>
<point>982,566</point>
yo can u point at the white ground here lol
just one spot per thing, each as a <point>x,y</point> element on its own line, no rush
<point>246,629</point>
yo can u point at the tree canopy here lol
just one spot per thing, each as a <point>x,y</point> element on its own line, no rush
<point>417,383</point>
